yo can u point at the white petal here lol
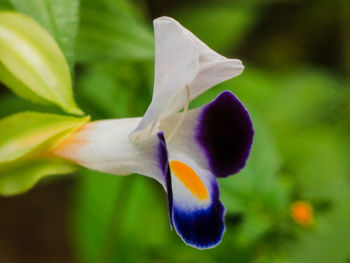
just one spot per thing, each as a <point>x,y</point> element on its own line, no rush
<point>213,69</point>
<point>182,60</point>
<point>104,146</point>
<point>209,75</point>
<point>176,65</point>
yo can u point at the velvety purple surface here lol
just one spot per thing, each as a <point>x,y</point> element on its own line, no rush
<point>202,228</point>
<point>225,133</point>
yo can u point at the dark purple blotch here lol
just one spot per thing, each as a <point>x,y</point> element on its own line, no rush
<point>225,133</point>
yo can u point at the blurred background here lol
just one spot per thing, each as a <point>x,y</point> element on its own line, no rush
<point>292,201</point>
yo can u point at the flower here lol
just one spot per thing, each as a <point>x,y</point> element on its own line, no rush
<point>302,213</point>
<point>184,151</point>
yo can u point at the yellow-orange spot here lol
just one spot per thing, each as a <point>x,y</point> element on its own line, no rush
<point>189,178</point>
<point>302,213</point>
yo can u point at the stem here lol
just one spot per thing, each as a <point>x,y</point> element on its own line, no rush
<point>116,222</point>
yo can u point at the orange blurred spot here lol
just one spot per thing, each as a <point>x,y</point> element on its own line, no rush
<point>302,213</point>
<point>189,178</point>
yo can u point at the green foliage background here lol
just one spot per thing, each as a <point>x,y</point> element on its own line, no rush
<point>295,86</point>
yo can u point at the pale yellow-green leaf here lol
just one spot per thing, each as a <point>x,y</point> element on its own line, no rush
<point>18,87</point>
<point>26,133</point>
<point>19,177</point>
<point>38,66</point>
<point>59,17</point>
<point>26,142</point>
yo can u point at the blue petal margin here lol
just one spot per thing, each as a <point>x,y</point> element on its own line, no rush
<point>225,133</point>
<point>164,167</point>
<point>202,228</point>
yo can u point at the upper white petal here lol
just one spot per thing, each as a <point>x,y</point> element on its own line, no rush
<point>176,65</point>
<point>181,60</point>
<point>209,75</point>
<point>213,69</point>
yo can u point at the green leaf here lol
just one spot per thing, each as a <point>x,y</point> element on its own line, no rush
<point>119,35</point>
<point>18,87</point>
<point>39,71</point>
<point>60,18</point>
<point>5,5</point>
<point>19,177</point>
<point>11,104</point>
<point>26,140</point>
<point>23,133</point>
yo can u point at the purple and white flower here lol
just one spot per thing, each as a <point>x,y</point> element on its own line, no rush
<point>184,151</point>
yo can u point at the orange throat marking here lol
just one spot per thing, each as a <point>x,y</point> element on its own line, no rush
<point>189,178</point>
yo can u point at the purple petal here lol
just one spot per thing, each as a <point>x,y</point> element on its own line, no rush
<point>225,133</point>
<point>201,228</point>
